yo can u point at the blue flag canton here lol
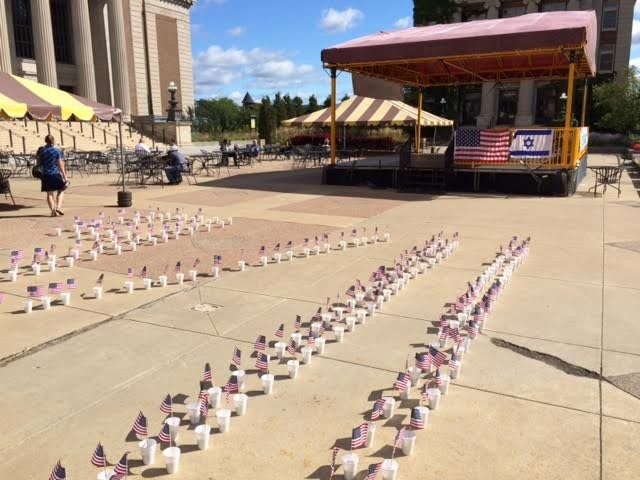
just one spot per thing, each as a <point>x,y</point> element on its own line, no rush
<point>469,137</point>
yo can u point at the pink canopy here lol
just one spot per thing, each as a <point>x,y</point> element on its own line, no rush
<point>538,45</point>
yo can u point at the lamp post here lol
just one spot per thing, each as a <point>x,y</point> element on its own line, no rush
<point>172,111</point>
<point>252,123</point>
<point>443,105</point>
<point>563,99</point>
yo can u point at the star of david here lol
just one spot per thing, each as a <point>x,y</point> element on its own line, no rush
<point>528,143</point>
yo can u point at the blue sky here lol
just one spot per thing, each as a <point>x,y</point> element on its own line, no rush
<point>266,46</point>
<point>635,39</point>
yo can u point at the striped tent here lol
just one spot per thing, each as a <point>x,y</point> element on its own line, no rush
<point>364,111</point>
<point>21,98</point>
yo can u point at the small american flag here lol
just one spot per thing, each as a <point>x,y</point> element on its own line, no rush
<point>351,292</point>
<point>35,291</point>
<point>436,356</point>
<point>17,254</point>
<point>317,241</point>
<point>377,409</point>
<point>280,331</point>
<point>140,425</point>
<point>359,436</point>
<point>262,250</point>
<point>58,472</point>
<point>72,283</point>
<point>444,333</point>
<point>416,419</point>
<point>402,382</point>
<point>291,347</point>
<point>100,279</point>
<point>311,339</point>
<point>179,267</point>
<point>206,376</point>
<point>129,272</point>
<point>217,260</point>
<point>276,249</point>
<point>422,361</point>
<point>298,323</point>
<point>231,386</point>
<point>334,456</point>
<point>98,458</point>
<point>260,343</point>
<point>306,242</point>
<point>52,249</point>
<point>472,329</point>
<point>164,436</point>
<point>121,211</point>
<point>453,362</point>
<point>261,361</point>
<point>398,442</point>
<point>455,334</point>
<point>196,263</point>
<point>354,233</point>
<point>122,468</point>
<point>55,287</point>
<point>459,305</point>
<point>372,471</point>
<point>289,245</point>
<point>237,356</point>
<point>39,252</point>
<point>437,377</point>
<point>425,388</point>
<point>144,273</point>
<point>203,405</point>
<point>167,405</point>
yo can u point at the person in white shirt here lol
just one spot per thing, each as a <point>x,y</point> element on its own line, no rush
<point>141,148</point>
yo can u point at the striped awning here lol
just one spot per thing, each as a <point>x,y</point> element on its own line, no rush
<point>21,98</point>
<point>364,111</point>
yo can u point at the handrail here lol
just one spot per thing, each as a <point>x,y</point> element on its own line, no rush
<point>12,134</point>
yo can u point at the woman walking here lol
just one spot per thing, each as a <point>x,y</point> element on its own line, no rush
<point>54,176</point>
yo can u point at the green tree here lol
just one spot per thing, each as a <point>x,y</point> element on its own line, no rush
<point>427,12</point>
<point>327,101</point>
<point>218,115</point>
<point>280,108</point>
<point>288,106</point>
<point>345,98</point>
<point>266,120</point>
<point>297,105</point>
<point>617,103</point>
<point>312,106</point>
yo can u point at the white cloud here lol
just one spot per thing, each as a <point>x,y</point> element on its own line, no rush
<point>635,32</point>
<point>236,31</point>
<point>236,96</point>
<point>256,69</point>
<point>340,20</point>
<point>635,62</point>
<point>404,22</point>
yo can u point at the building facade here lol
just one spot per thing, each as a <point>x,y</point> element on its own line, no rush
<point>531,102</point>
<point>118,52</point>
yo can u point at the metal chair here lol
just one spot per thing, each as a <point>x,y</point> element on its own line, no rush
<point>5,186</point>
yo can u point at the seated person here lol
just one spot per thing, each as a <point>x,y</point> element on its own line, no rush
<point>255,149</point>
<point>176,163</point>
<point>142,149</point>
<point>228,151</point>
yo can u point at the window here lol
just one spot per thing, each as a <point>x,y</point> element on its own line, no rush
<point>549,103</point>
<point>610,15</point>
<point>553,6</point>
<point>507,106</point>
<point>470,108</point>
<point>470,14</point>
<point>508,10</point>
<point>22,34</point>
<point>62,33</point>
<point>605,62</point>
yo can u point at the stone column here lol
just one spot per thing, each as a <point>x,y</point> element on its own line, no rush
<point>488,99</point>
<point>573,5</point>
<point>101,61</point>
<point>43,42</point>
<point>493,8</point>
<point>5,46</point>
<point>524,116</point>
<point>531,5</point>
<point>119,66</point>
<point>86,74</point>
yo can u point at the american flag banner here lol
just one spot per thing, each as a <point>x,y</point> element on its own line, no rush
<point>140,425</point>
<point>237,356</point>
<point>167,405</point>
<point>261,361</point>
<point>298,323</point>
<point>373,470</point>
<point>334,456</point>
<point>402,382</point>
<point>55,288</point>
<point>280,331</point>
<point>437,377</point>
<point>481,146</point>
<point>436,356</point>
<point>58,472</point>
<point>179,267</point>
<point>422,361</point>
<point>206,376</point>
<point>14,263</point>
<point>164,436</point>
<point>100,279</point>
<point>78,243</point>
<point>121,211</point>
<point>260,343</point>
<point>144,273</point>
<point>359,436</point>
<point>416,420</point>
<point>122,468</point>
<point>129,272</point>
<point>72,283</point>
<point>291,347</point>
<point>35,291</point>
<point>376,412</point>
<point>98,458</point>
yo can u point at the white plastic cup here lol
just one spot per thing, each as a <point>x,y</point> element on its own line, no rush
<point>46,303</point>
<point>76,255</point>
<point>361,316</point>
<point>316,249</point>
<point>351,323</point>
<point>66,298</point>
<point>306,252</point>
<point>338,331</point>
<point>241,265</point>
<point>171,457</point>
<point>387,237</point>
<point>148,451</point>
<point>163,280</point>
<point>364,240</point>
<point>350,465</point>
<point>94,255</point>
<point>424,414</point>
<point>297,339</point>
<point>389,468</point>
<point>356,242</point>
<point>371,435</point>
<point>307,354</point>
<point>58,231</point>
<point>290,255</point>
<point>193,274</point>
<point>388,407</point>
<point>36,269</point>
<point>444,386</point>
<point>154,241</point>
<point>293,366</point>
<point>267,383</point>
<point>404,394</point>
<point>174,427</point>
<point>128,286</point>
<point>359,297</point>
<point>214,396</point>
<point>320,345</point>
<point>240,401</point>
<point>414,373</point>
<point>97,292</point>
<point>351,303</point>
<point>326,319</point>
<point>339,311</point>
<point>264,261</point>
<point>371,309</point>
<point>215,272</point>
<point>394,288</point>
<point>13,275</point>
<point>223,417</point>
<point>434,397</point>
<point>203,432</point>
<point>280,348</point>
<point>180,278</point>
<point>315,328</point>
<point>147,283</point>
<point>118,249</point>
<point>241,376</point>
<point>28,306</point>
<point>327,248</point>
<point>386,292</point>
<point>193,409</point>
<point>277,257</point>
<point>105,474</point>
<point>408,442</point>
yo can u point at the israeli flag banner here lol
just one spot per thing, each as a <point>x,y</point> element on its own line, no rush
<point>534,143</point>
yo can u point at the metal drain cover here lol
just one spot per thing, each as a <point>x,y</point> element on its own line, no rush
<point>205,307</point>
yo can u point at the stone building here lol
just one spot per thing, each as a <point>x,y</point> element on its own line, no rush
<point>118,52</point>
<point>531,102</point>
